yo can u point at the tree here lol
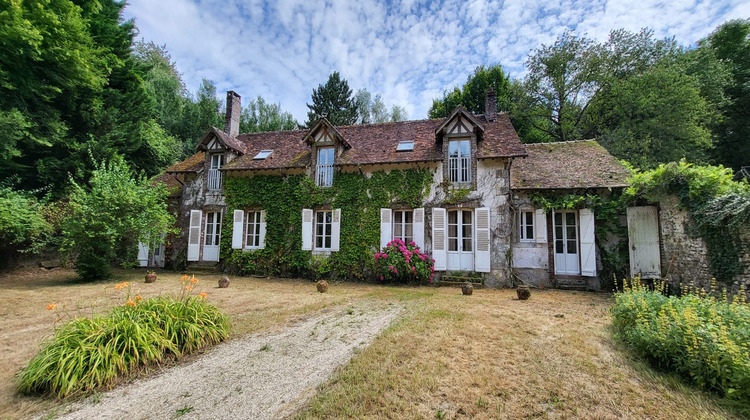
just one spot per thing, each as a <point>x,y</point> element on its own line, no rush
<point>562,78</point>
<point>373,109</point>
<point>260,116</point>
<point>202,111</point>
<point>473,94</point>
<point>730,44</point>
<point>333,101</point>
<point>111,215</point>
<point>655,117</point>
<point>23,227</point>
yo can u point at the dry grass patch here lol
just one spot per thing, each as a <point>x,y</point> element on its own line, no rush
<point>492,356</point>
<point>252,304</point>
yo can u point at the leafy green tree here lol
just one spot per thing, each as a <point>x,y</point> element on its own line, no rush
<point>730,45</point>
<point>562,78</point>
<point>49,66</point>
<point>655,117</point>
<point>473,94</point>
<point>202,111</point>
<point>260,116</point>
<point>333,101</point>
<point>110,215</point>
<point>373,110</point>
<point>23,226</point>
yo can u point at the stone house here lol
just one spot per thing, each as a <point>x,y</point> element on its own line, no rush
<point>473,212</point>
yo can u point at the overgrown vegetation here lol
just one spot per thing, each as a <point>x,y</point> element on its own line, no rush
<point>719,206</point>
<point>111,215</point>
<point>91,353</point>
<point>400,262</point>
<point>358,196</point>
<point>704,338</point>
<point>23,226</point>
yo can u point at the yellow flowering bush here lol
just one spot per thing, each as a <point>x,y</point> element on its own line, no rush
<point>702,337</point>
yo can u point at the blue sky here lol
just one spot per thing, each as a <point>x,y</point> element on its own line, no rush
<point>408,51</point>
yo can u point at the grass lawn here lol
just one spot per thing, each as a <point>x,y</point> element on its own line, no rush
<point>451,356</point>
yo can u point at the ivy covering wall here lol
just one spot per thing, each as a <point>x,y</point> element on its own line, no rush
<point>283,197</point>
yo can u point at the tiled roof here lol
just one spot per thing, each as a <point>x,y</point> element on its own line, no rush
<point>173,182</point>
<point>373,144</point>
<point>567,165</point>
<point>192,164</point>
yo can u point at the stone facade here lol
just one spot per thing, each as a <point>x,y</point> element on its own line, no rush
<point>684,255</point>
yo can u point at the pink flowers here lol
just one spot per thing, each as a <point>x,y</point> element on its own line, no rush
<point>403,263</point>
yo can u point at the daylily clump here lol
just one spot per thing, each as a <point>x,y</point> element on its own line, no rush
<point>400,262</point>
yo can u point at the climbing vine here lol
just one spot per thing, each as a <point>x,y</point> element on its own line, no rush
<point>610,233</point>
<point>283,197</point>
<point>719,206</point>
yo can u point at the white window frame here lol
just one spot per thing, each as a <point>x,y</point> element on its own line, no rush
<point>464,232</point>
<point>327,224</point>
<point>523,225</point>
<point>252,240</point>
<point>324,166</point>
<point>212,236</point>
<point>402,224</point>
<point>214,174</point>
<point>459,166</point>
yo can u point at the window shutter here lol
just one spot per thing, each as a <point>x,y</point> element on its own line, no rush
<point>194,235</point>
<point>418,228</point>
<point>307,229</point>
<point>439,253</point>
<point>540,226</point>
<point>385,227</point>
<point>262,229</point>
<point>336,230</point>
<point>588,245</point>
<point>239,217</point>
<point>142,254</point>
<point>482,253</point>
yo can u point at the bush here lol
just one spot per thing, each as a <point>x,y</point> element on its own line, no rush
<point>86,354</point>
<point>22,223</point>
<point>108,218</point>
<point>399,262</point>
<point>703,338</point>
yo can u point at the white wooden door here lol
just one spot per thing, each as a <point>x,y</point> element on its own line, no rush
<point>460,240</point>
<point>566,242</point>
<point>643,241</point>
<point>213,236</point>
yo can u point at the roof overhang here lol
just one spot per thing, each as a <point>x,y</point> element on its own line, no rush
<point>459,111</point>
<point>324,124</point>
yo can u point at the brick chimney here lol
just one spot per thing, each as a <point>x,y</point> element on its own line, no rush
<point>490,105</point>
<point>234,108</point>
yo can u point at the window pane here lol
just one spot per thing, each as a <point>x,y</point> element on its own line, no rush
<point>572,247</point>
<point>452,244</point>
<point>328,242</point>
<point>453,216</point>
<point>408,231</point>
<point>453,149</point>
<point>529,232</point>
<point>397,216</point>
<point>329,215</point>
<point>452,231</point>
<point>397,233</point>
<point>571,230</point>
<point>466,217</point>
<point>465,146</point>
<point>570,219</point>
<point>408,216</point>
<point>467,245</point>
<point>559,247</point>
<point>558,218</point>
<point>529,218</point>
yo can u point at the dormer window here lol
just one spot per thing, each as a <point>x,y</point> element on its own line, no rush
<point>214,175</point>
<point>324,169</point>
<point>459,161</point>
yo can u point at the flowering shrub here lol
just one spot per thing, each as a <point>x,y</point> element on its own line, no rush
<point>400,262</point>
<point>703,338</point>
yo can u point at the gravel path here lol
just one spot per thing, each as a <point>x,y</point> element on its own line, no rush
<point>260,376</point>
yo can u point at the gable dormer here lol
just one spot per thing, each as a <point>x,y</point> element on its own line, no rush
<point>326,144</point>
<point>220,149</point>
<point>459,134</point>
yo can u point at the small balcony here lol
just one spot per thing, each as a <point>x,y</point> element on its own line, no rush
<point>324,175</point>
<point>214,179</point>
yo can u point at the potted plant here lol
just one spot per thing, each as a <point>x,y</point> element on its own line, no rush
<point>322,286</point>
<point>523,292</point>
<point>150,276</point>
<point>467,288</point>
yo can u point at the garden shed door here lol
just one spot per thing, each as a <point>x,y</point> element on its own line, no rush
<point>643,242</point>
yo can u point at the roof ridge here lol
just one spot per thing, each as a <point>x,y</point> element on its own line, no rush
<point>560,142</point>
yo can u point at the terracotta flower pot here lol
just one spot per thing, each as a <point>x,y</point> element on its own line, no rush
<point>322,286</point>
<point>523,292</point>
<point>467,288</point>
<point>224,282</point>
<point>150,277</point>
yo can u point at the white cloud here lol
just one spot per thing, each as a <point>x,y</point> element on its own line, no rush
<point>408,52</point>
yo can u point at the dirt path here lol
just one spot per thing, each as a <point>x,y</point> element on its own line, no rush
<point>259,376</point>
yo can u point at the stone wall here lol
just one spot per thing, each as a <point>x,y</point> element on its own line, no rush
<point>684,255</point>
